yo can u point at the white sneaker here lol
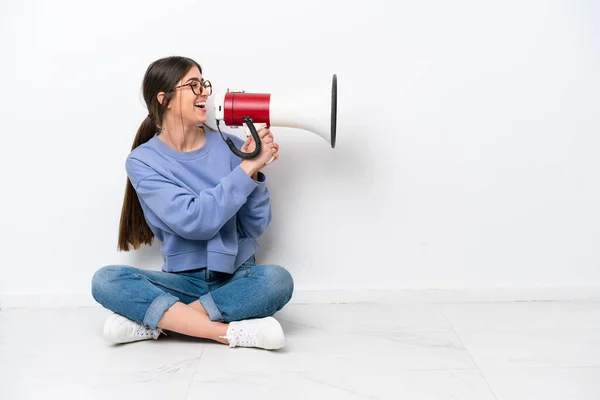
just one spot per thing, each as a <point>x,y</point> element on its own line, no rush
<point>118,329</point>
<point>265,333</point>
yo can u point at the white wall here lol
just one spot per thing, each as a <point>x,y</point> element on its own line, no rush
<point>468,137</point>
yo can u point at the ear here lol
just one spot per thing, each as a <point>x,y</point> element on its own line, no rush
<point>160,97</point>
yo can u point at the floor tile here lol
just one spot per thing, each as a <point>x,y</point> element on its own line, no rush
<point>545,383</point>
<point>526,315</point>
<point>533,348</point>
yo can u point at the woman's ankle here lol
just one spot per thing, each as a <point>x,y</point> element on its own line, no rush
<point>183,319</point>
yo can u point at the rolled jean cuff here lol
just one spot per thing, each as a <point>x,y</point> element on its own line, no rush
<point>211,308</point>
<point>158,307</point>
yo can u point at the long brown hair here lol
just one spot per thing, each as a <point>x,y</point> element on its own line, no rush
<point>161,76</point>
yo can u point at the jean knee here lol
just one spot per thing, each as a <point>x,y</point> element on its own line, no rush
<point>281,283</point>
<point>103,280</point>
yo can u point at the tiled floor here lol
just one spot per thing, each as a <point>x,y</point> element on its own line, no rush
<point>548,350</point>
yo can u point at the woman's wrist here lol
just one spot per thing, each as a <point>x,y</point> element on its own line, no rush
<point>250,169</point>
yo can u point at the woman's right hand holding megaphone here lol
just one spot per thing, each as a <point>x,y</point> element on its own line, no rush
<point>269,152</point>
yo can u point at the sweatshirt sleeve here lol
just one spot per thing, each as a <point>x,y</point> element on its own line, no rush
<point>254,216</point>
<point>191,216</point>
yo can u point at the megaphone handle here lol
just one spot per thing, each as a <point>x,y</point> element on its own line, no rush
<point>270,161</point>
<point>258,127</point>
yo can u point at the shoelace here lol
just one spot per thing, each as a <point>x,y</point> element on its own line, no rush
<point>242,338</point>
<point>141,330</point>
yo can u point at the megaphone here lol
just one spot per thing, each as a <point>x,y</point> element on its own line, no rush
<point>314,111</point>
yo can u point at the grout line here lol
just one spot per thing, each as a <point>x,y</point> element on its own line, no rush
<point>470,355</point>
<point>187,393</point>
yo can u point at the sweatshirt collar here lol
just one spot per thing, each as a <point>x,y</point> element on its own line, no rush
<point>185,155</point>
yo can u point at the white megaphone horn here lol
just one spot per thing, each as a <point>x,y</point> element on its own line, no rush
<point>314,111</point>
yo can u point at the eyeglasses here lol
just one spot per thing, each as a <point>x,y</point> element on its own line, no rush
<point>197,87</point>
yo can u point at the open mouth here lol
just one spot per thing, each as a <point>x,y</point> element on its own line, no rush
<point>201,104</point>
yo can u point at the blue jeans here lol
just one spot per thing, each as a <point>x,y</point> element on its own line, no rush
<point>253,291</point>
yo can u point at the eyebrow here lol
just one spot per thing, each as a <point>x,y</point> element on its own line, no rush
<point>194,79</point>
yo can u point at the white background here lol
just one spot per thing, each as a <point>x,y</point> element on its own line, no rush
<point>468,137</point>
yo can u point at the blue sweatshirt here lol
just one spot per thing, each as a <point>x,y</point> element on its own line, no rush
<point>201,205</point>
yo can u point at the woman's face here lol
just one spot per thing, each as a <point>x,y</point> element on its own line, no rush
<point>186,104</point>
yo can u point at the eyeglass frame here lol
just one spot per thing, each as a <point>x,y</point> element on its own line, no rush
<point>192,84</point>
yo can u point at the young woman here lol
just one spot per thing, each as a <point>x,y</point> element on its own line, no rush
<point>207,207</point>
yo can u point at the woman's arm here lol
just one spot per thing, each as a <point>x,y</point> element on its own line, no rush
<point>196,217</point>
<point>255,215</point>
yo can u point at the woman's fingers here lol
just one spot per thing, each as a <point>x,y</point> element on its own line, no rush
<point>269,146</point>
<point>264,132</point>
<point>246,145</point>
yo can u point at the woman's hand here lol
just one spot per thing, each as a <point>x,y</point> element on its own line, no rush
<point>268,149</point>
